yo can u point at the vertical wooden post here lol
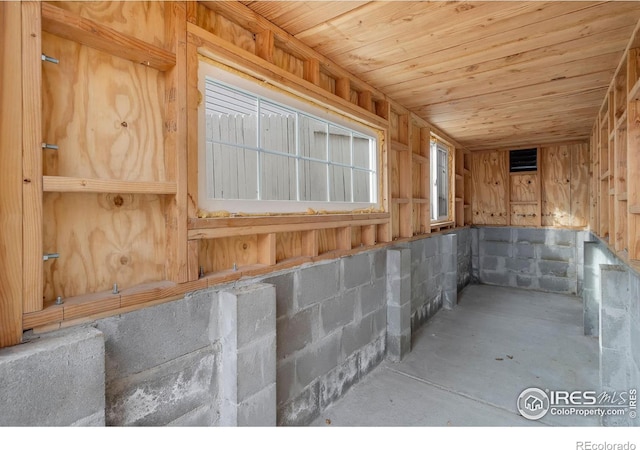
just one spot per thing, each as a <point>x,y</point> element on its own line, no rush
<point>267,249</point>
<point>633,158</point>
<point>310,243</point>
<point>175,142</point>
<point>343,238</point>
<point>265,45</point>
<point>365,100</point>
<point>11,181</point>
<point>32,156</point>
<point>343,88</point>
<point>311,71</point>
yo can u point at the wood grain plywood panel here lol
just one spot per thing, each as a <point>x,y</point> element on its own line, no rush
<point>580,185</point>
<point>490,184</point>
<point>555,168</point>
<point>104,114</point>
<point>102,239</point>
<point>218,255</point>
<point>523,187</point>
<point>524,215</point>
<point>142,20</point>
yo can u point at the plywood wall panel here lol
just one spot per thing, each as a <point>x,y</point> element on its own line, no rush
<point>102,239</point>
<point>555,167</point>
<point>143,20</point>
<point>490,184</point>
<point>524,215</point>
<point>104,113</point>
<point>524,188</point>
<point>225,29</point>
<point>218,255</point>
<point>288,245</point>
<point>580,185</point>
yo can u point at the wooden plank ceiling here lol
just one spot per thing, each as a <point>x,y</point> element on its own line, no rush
<point>491,74</point>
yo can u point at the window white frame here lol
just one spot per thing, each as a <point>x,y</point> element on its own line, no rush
<point>441,185</point>
<point>276,97</point>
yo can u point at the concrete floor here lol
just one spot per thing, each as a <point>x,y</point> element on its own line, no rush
<point>468,366</point>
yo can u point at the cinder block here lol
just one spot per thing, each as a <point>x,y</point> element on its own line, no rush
<point>285,300</point>
<point>449,298</point>
<point>518,265</point>
<point>337,312</point>
<point>286,386</point>
<point>294,333</point>
<point>591,313</point>
<point>318,359</point>
<point>259,410</point>
<point>372,354</point>
<point>614,370</point>
<point>530,235</point>
<point>500,234</point>
<point>524,250</point>
<point>493,263</point>
<point>372,297</point>
<point>398,345</point>
<point>553,268</point>
<point>137,341</point>
<point>398,319</point>
<point>498,278</point>
<point>205,416</point>
<point>417,252</point>
<point>495,248</point>
<point>337,382</point>
<point>431,246</point>
<point>317,283</point>
<point>614,285</point>
<point>357,335</point>
<point>555,253</point>
<point>379,322</point>
<point>380,263</point>
<point>303,409</point>
<point>163,394</point>
<point>356,270</point>
<point>524,281</point>
<point>634,297</point>
<point>561,237</point>
<point>256,311</point>
<point>256,366</point>
<point>554,284</point>
<point>56,380</point>
<point>634,345</point>
<point>614,329</point>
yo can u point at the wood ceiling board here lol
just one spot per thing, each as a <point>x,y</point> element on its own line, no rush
<point>493,82</point>
<point>457,37</point>
<point>296,17</point>
<point>611,40</point>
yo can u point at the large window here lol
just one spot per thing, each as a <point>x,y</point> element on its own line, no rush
<point>440,181</point>
<point>264,151</point>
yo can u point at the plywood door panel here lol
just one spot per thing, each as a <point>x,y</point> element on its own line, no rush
<point>490,183</point>
<point>580,185</point>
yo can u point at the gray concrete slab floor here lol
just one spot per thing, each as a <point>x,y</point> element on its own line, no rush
<point>468,366</point>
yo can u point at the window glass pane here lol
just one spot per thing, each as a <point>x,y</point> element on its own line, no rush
<point>340,145</point>
<point>234,172</point>
<point>313,138</point>
<point>361,186</point>
<point>443,185</point>
<point>278,177</point>
<point>313,181</point>
<point>340,183</point>
<point>231,115</point>
<point>277,128</point>
<point>362,151</point>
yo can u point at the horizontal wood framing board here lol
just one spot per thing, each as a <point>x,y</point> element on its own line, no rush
<point>73,184</point>
<point>71,26</point>
<point>201,229</point>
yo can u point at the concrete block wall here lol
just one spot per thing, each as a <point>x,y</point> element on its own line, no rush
<point>58,380</point>
<point>434,276</point>
<point>464,254</point>
<point>543,259</point>
<point>331,331</point>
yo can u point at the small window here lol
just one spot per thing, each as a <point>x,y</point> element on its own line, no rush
<point>440,179</point>
<point>523,160</point>
<point>265,151</point>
